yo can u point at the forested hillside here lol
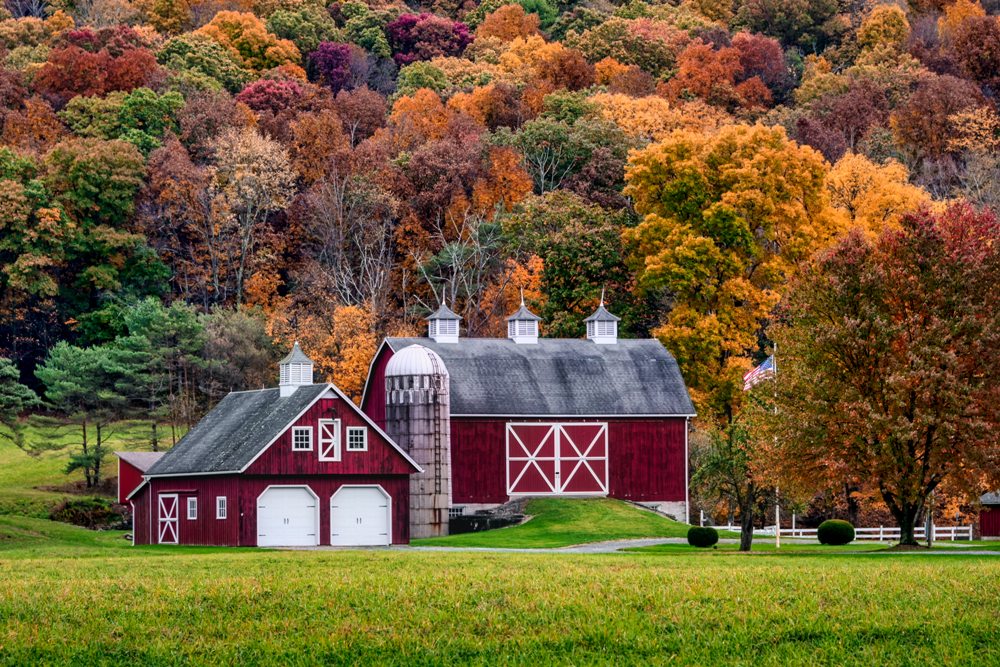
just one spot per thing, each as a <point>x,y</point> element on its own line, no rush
<point>187,186</point>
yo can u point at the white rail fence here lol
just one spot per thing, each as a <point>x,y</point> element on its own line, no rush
<point>878,533</point>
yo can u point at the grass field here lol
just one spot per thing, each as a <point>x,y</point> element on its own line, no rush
<point>557,522</point>
<point>69,596</point>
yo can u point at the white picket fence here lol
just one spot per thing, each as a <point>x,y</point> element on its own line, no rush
<point>878,534</point>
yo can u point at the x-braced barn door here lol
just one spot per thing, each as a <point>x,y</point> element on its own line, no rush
<point>553,459</point>
<point>168,514</point>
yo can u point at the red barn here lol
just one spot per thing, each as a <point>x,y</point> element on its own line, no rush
<point>299,465</point>
<point>131,467</point>
<point>530,416</point>
<point>989,516</point>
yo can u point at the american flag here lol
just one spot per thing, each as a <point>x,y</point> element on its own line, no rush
<point>757,375</point>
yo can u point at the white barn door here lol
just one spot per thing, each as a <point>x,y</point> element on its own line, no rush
<point>167,513</point>
<point>287,516</point>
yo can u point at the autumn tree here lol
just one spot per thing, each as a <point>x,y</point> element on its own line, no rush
<point>252,179</point>
<point>726,218</point>
<point>871,196</point>
<point>888,349</point>
<point>415,37</point>
<point>508,22</point>
<point>247,37</point>
<point>922,123</point>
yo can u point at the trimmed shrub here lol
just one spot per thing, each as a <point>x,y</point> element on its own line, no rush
<point>835,532</point>
<point>702,536</point>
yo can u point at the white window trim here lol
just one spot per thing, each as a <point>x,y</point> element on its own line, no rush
<point>192,508</point>
<point>329,448</point>
<point>364,438</point>
<point>300,429</point>
<point>221,507</point>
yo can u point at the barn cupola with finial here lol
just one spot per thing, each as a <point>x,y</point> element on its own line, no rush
<point>442,325</point>
<point>295,370</point>
<point>602,326</point>
<point>522,326</point>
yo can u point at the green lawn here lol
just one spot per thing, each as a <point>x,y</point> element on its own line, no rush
<point>21,475</point>
<point>72,597</point>
<point>558,522</point>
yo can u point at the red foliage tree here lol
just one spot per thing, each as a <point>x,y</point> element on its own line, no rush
<point>271,94</point>
<point>414,37</point>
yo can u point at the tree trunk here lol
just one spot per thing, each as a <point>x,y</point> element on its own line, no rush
<point>86,450</point>
<point>906,517</point>
<point>746,528</point>
<point>98,452</point>
<point>154,438</point>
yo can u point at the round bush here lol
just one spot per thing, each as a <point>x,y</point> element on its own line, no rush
<point>702,536</point>
<point>835,532</point>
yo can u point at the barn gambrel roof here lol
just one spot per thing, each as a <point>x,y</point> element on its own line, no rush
<point>559,377</point>
<point>241,426</point>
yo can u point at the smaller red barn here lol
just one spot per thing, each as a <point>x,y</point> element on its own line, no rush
<point>989,516</point>
<point>300,465</point>
<point>131,467</point>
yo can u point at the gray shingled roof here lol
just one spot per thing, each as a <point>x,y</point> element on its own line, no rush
<point>235,430</point>
<point>559,377</point>
<point>990,499</point>
<point>140,460</point>
<point>296,356</point>
<point>444,313</point>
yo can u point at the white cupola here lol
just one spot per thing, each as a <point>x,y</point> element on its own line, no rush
<point>522,326</point>
<point>442,325</point>
<point>296,370</point>
<point>602,326</point>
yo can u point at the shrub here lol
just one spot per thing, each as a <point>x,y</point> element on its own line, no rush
<point>88,512</point>
<point>702,536</point>
<point>835,532</point>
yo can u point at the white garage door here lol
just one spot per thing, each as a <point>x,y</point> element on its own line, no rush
<point>287,516</point>
<point>359,516</point>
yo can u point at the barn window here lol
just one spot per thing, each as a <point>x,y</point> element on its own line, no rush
<point>357,438</point>
<point>192,508</point>
<point>302,439</point>
<point>220,507</point>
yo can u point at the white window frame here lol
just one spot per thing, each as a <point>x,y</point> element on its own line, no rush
<point>354,430</point>
<point>221,507</point>
<point>328,439</point>
<point>300,429</point>
<point>192,508</point>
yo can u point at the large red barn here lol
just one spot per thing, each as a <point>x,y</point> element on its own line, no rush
<point>530,416</point>
<point>299,465</point>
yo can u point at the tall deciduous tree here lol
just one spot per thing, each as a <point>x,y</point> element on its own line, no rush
<point>727,218</point>
<point>889,350</point>
<point>253,178</point>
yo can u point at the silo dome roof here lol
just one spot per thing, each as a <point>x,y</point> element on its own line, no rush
<point>415,360</point>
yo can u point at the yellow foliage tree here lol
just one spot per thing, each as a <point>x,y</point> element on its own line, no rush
<point>727,218</point>
<point>247,37</point>
<point>885,26</point>
<point>955,14</point>
<point>341,340</point>
<point>872,196</point>
<point>653,117</point>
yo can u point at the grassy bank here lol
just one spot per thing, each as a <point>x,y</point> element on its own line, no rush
<point>558,522</point>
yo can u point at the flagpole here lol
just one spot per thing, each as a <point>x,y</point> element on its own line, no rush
<point>777,507</point>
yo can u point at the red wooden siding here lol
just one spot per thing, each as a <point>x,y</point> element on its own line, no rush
<point>380,459</point>
<point>989,522</point>
<point>239,528</point>
<point>374,400</point>
<point>129,477</point>
<point>646,458</point>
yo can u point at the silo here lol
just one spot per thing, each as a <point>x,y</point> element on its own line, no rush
<point>417,417</point>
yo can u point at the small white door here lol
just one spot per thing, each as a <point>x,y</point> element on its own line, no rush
<point>287,516</point>
<point>168,515</point>
<point>359,516</point>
